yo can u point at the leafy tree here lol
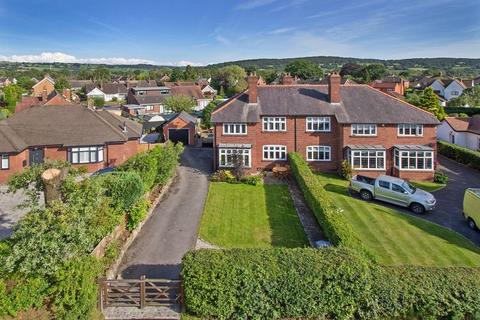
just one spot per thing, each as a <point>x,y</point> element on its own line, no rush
<point>190,73</point>
<point>11,95</point>
<point>304,69</point>
<point>25,82</point>
<point>84,74</point>
<point>179,103</point>
<point>429,102</point>
<point>61,84</point>
<point>176,74</point>
<point>470,97</point>
<point>232,78</point>
<point>269,75</point>
<point>101,74</point>
<point>207,114</point>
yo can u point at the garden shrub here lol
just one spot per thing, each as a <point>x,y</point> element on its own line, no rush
<point>252,180</point>
<point>346,171</point>
<point>336,227</point>
<point>21,295</point>
<point>74,290</point>
<point>124,188</point>
<point>137,214</point>
<point>145,166</point>
<point>275,283</point>
<point>330,283</point>
<point>223,176</point>
<point>440,177</point>
<point>463,155</point>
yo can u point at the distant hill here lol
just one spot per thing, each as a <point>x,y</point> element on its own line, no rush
<point>330,62</point>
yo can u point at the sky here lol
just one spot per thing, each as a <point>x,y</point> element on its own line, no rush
<point>200,32</point>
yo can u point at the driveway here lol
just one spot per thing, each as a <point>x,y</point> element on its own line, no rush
<point>449,209</point>
<point>172,229</point>
<point>10,214</point>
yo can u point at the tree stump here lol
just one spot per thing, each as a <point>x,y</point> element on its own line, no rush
<point>52,179</point>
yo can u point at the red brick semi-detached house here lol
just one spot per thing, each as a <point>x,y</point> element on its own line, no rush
<point>375,132</point>
<point>84,137</point>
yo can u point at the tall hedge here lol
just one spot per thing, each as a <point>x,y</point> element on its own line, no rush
<point>469,111</point>
<point>336,227</point>
<point>275,283</point>
<point>463,155</point>
<point>330,283</point>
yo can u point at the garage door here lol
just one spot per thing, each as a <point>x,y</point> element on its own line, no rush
<point>178,135</point>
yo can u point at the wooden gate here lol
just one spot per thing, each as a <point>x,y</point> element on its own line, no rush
<point>139,293</point>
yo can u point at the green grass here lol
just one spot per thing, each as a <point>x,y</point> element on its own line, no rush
<point>428,186</point>
<point>398,238</point>
<point>245,216</point>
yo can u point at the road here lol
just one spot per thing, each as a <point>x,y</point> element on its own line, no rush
<point>172,229</point>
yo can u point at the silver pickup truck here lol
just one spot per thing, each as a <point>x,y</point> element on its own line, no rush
<point>393,190</point>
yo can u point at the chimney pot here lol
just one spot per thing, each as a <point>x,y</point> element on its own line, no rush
<point>252,88</point>
<point>287,79</point>
<point>334,88</point>
<point>44,95</point>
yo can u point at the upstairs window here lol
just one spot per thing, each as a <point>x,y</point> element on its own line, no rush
<point>274,124</point>
<point>318,124</point>
<point>5,162</point>
<point>85,155</point>
<point>410,130</point>
<point>362,129</point>
<point>273,152</point>
<point>234,128</point>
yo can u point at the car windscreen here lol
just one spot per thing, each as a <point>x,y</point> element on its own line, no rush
<point>407,186</point>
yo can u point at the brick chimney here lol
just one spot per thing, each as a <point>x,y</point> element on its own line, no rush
<point>44,95</point>
<point>67,94</point>
<point>334,88</point>
<point>252,88</point>
<point>287,79</point>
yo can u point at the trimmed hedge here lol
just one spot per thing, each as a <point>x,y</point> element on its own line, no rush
<point>463,155</point>
<point>469,111</point>
<point>331,283</point>
<point>336,227</point>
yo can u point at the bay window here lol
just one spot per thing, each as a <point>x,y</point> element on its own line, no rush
<point>364,129</point>
<point>274,152</point>
<point>367,159</point>
<point>234,157</point>
<point>318,124</point>
<point>5,162</point>
<point>83,155</point>
<point>410,130</point>
<point>318,153</point>
<point>274,124</point>
<point>413,160</point>
<point>234,128</point>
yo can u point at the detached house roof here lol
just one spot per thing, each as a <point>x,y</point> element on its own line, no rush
<point>193,91</point>
<point>359,104</point>
<point>64,126</point>
<point>113,88</point>
<point>465,124</point>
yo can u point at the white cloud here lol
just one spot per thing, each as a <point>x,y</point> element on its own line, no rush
<point>222,39</point>
<point>184,63</point>
<point>50,57</point>
<point>252,4</point>
<point>281,30</point>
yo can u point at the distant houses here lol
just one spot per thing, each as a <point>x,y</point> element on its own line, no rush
<point>108,92</point>
<point>6,81</point>
<point>447,88</point>
<point>391,85</point>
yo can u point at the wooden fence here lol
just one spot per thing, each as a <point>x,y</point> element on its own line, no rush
<point>139,293</point>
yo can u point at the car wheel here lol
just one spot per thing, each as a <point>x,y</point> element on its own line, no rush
<point>366,195</point>
<point>417,208</point>
<point>472,224</point>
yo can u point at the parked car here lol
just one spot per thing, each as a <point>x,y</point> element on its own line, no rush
<point>393,190</point>
<point>471,207</point>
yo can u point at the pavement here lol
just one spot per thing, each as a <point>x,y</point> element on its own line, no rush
<point>172,229</point>
<point>449,208</point>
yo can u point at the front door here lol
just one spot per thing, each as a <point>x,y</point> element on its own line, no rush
<point>36,156</point>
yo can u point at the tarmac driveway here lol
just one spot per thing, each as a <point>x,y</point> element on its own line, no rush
<point>172,229</point>
<point>10,214</point>
<point>449,208</point>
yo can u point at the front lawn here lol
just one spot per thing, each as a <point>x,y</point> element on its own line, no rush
<point>398,238</point>
<point>245,216</point>
<point>428,186</point>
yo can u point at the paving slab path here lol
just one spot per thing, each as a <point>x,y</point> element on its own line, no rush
<point>172,229</point>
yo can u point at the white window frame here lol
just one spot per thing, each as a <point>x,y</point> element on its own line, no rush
<point>399,155</point>
<point>228,151</point>
<point>231,128</point>
<point>360,154</point>
<point>149,107</point>
<point>274,152</point>
<point>269,124</point>
<point>4,162</point>
<point>364,129</point>
<point>95,154</point>
<point>404,126</point>
<point>311,122</point>
<point>311,150</point>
